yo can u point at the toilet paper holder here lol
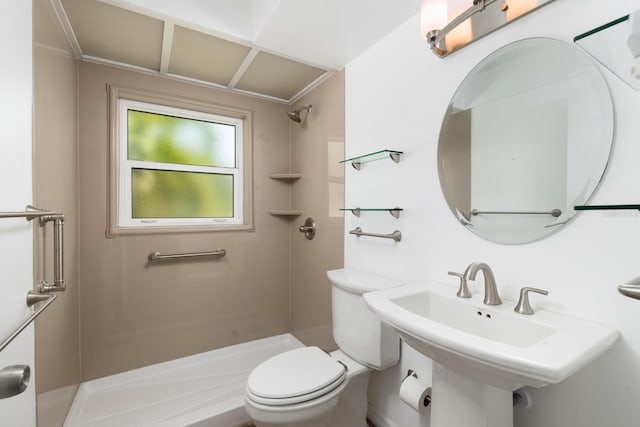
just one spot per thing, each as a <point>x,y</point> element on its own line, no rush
<point>520,397</point>
<point>412,373</point>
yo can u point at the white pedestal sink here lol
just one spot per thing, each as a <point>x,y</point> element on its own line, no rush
<point>482,353</point>
<point>464,401</point>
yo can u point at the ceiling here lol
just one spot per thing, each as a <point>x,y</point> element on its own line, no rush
<point>275,49</point>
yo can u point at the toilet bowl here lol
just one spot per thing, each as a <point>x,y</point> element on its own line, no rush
<point>308,387</point>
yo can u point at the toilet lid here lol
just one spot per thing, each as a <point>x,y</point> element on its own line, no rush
<point>295,376</point>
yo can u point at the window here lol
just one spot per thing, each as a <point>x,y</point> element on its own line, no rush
<point>177,166</point>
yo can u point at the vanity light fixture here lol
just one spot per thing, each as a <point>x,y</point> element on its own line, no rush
<point>449,25</point>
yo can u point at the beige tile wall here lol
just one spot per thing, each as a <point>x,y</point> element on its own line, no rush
<point>316,147</point>
<point>134,314</point>
<point>55,187</point>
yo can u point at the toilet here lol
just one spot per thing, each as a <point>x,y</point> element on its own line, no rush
<point>308,387</point>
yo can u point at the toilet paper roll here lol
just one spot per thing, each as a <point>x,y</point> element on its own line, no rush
<point>416,394</point>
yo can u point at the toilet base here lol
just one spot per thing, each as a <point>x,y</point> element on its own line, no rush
<point>351,410</point>
<point>308,414</point>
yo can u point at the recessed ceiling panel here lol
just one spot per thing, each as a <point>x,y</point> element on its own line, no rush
<point>205,57</point>
<point>277,76</point>
<point>234,18</point>
<point>117,34</point>
<point>45,29</point>
<point>329,33</point>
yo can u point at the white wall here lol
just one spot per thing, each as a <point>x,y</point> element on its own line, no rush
<point>15,193</point>
<point>396,95</point>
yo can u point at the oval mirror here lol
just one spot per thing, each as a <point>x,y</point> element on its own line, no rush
<point>527,136</point>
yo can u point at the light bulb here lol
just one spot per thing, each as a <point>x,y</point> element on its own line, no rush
<point>433,16</point>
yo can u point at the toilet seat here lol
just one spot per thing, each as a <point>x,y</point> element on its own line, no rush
<point>295,376</point>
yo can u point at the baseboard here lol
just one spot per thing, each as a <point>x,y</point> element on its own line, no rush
<point>378,419</point>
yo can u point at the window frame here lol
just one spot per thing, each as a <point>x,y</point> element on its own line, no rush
<point>120,221</point>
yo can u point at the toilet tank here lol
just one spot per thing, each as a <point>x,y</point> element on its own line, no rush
<point>356,329</point>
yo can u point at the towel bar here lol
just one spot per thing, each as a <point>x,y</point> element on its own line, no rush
<point>395,236</point>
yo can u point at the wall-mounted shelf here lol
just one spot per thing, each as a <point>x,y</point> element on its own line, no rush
<point>286,213</point>
<point>395,212</point>
<point>286,176</point>
<point>606,207</point>
<point>357,161</point>
<point>607,44</point>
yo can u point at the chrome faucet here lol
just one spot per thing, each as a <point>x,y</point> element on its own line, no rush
<point>491,296</point>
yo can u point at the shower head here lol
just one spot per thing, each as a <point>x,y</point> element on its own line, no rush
<point>295,115</point>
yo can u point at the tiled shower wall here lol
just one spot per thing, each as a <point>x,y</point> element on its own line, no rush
<point>119,312</point>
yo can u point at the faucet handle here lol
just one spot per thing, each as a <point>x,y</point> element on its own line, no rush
<point>523,306</point>
<point>463,291</point>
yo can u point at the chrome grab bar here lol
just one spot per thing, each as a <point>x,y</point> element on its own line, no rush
<point>58,254</point>
<point>57,218</point>
<point>395,236</point>
<point>44,216</point>
<point>30,213</point>
<point>554,213</point>
<point>32,298</point>
<point>157,257</point>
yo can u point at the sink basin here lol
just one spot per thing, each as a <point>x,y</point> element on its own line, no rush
<point>491,344</point>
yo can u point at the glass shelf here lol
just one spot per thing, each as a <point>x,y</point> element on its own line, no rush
<point>608,45</point>
<point>395,212</point>
<point>605,207</point>
<point>357,161</point>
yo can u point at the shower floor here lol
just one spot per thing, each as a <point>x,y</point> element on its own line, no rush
<point>204,390</point>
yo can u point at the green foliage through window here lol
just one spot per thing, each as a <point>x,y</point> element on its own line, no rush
<point>178,167</point>
<point>173,194</point>
<point>169,139</point>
